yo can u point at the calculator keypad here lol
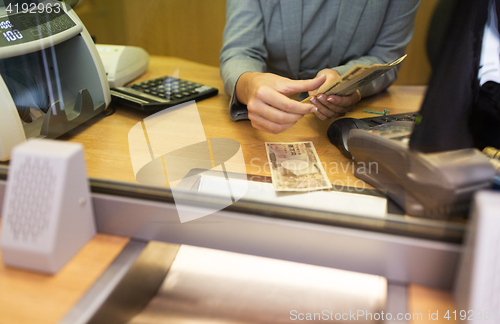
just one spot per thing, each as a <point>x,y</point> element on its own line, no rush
<point>162,92</point>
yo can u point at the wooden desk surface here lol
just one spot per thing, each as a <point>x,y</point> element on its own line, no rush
<point>27,297</point>
<point>106,138</point>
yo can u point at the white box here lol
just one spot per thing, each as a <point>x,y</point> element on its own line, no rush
<point>47,214</point>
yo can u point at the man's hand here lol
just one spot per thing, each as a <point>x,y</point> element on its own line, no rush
<point>332,106</point>
<point>269,108</point>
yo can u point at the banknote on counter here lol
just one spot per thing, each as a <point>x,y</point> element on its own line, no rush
<point>296,167</point>
<point>356,77</point>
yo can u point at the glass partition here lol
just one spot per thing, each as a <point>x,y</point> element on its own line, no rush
<point>195,155</point>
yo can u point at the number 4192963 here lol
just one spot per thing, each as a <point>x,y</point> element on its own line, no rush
<point>34,8</point>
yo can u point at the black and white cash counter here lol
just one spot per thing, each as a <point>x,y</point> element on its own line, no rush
<point>51,76</point>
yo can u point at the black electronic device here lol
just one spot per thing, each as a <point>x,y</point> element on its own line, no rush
<point>438,185</point>
<point>161,93</point>
<point>339,129</point>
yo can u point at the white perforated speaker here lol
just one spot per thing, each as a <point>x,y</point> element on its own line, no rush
<point>47,213</point>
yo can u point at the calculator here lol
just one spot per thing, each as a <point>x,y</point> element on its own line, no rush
<point>161,93</point>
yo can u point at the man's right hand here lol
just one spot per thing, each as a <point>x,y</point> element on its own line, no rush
<point>266,96</point>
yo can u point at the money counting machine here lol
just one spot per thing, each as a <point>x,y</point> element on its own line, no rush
<point>51,75</point>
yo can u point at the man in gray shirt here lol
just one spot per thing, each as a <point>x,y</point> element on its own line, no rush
<point>272,49</point>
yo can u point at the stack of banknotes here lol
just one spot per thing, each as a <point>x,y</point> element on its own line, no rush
<point>358,76</point>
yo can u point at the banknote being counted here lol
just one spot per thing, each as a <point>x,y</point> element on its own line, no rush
<point>296,167</point>
<point>358,76</point>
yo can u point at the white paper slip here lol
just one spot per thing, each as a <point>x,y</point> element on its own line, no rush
<point>324,200</point>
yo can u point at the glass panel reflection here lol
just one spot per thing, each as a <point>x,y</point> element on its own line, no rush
<point>211,161</point>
